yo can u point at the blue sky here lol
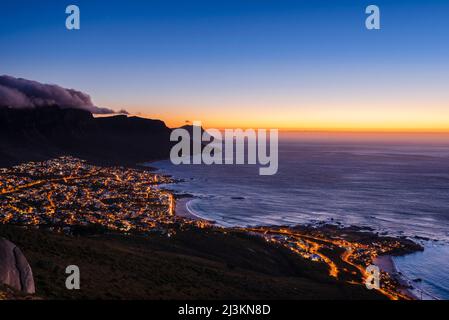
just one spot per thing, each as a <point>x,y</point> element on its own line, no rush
<point>308,63</point>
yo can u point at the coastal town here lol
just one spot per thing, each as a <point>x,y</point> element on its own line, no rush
<point>66,194</point>
<point>347,252</point>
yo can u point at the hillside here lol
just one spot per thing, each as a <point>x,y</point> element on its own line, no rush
<point>191,264</point>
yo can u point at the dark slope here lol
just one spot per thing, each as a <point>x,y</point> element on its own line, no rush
<point>192,264</point>
<point>43,133</point>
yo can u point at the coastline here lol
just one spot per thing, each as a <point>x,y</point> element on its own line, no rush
<point>171,247</point>
<point>324,255</point>
<point>307,233</point>
<point>384,262</point>
<point>387,264</point>
<point>182,210</point>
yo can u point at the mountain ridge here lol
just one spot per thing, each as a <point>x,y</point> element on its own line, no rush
<point>36,134</point>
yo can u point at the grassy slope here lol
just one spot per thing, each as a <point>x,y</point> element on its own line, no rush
<point>193,264</point>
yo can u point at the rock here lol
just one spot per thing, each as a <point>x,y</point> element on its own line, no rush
<point>15,271</point>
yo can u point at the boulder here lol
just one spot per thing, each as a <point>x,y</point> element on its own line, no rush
<point>15,271</point>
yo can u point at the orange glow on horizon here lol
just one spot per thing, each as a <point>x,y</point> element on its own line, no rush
<point>388,127</point>
<point>398,117</point>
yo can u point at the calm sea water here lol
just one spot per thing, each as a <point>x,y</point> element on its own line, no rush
<point>395,184</point>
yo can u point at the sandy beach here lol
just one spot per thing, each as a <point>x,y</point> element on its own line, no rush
<point>386,264</point>
<point>182,211</point>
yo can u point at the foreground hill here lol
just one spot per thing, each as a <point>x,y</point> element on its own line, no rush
<point>191,264</point>
<point>48,132</point>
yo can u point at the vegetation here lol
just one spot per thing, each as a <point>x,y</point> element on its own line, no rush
<point>190,264</point>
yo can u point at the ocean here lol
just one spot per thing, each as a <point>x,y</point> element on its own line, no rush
<point>393,183</point>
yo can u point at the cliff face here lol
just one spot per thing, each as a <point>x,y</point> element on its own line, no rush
<point>42,133</point>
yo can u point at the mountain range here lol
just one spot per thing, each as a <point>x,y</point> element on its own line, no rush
<point>36,134</point>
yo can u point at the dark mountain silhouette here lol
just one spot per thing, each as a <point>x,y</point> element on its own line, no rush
<point>46,132</point>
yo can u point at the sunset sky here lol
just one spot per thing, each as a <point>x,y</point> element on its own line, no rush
<point>243,63</point>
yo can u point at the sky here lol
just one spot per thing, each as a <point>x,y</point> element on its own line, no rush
<point>308,65</point>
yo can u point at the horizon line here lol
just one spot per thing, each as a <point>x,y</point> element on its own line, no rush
<point>303,130</point>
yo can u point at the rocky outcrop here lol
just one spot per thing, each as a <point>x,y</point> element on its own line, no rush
<point>15,271</point>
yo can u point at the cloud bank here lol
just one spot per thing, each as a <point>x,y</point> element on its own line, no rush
<point>23,93</point>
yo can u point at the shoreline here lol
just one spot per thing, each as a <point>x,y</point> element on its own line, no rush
<point>181,209</point>
<point>386,264</point>
<point>328,232</point>
<point>327,251</point>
